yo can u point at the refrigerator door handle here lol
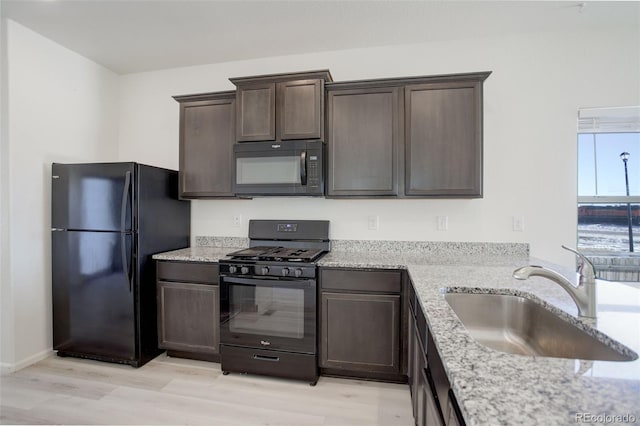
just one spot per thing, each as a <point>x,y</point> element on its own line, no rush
<point>123,223</point>
<point>126,265</point>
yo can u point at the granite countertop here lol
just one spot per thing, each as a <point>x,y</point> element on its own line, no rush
<point>196,254</point>
<point>496,388</point>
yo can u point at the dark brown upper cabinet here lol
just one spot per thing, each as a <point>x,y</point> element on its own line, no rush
<point>280,106</point>
<point>256,111</point>
<point>207,135</point>
<point>443,139</point>
<point>405,137</point>
<point>364,140</point>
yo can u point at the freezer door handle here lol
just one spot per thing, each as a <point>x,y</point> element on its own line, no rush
<point>125,198</point>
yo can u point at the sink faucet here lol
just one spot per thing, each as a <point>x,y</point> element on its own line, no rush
<point>584,294</point>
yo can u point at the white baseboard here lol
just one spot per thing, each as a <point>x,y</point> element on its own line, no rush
<point>7,368</point>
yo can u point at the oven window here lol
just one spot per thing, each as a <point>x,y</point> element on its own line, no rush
<point>266,170</point>
<point>272,311</point>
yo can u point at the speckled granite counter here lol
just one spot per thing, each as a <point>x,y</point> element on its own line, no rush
<point>196,254</point>
<point>495,388</point>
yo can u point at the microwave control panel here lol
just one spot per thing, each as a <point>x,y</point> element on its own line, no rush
<point>313,179</point>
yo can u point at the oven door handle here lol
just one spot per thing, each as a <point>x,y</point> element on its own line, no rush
<point>268,282</point>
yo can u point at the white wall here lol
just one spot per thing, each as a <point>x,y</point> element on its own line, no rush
<point>530,107</point>
<point>61,107</point>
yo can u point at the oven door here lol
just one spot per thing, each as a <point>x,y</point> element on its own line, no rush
<point>268,313</point>
<point>283,168</point>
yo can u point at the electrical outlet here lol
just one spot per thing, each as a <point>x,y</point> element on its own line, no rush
<point>237,221</point>
<point>443,223</point>
<point>518,223</point>
<point>373,222</point>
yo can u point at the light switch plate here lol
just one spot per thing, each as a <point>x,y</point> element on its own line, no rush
<point>373,222</point>
<point>518,223</point>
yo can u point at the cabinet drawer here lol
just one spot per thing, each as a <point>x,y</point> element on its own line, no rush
<point>203,272</point>
<point>369,281</point>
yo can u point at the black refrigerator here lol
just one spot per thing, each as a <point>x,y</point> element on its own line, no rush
<point>107,220</point>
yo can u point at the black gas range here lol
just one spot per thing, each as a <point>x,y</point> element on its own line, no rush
<point>268,300</point>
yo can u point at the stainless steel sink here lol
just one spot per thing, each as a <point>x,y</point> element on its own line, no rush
<point>517,325</point>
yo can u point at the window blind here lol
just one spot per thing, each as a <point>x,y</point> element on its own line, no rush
<point>609,120</point>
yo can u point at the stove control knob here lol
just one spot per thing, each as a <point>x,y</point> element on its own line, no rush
<point>233,269</point>
<point>244,270</point>
<point>264,270</point>
<point>285,272</point>
<point>298,272</point>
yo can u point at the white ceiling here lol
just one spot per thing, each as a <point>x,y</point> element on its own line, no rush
<point>130,36</point>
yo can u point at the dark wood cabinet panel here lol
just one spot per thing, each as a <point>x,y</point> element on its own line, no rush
<point>405,137</point>
<point>432,415</point>
<point>363,141</point>
<point>188,309</point>
<point>300,109</point>
<point>205,272</point>
<point>360,332</point>
<point>188,317</point>
<point>256,112</point>
<point>432,399</point>
<point>417,383</point>
<point>361,280</point>
<point>443,139</point>
<point>207,126</point>
<point>281,106</point>
<point>455,417</point>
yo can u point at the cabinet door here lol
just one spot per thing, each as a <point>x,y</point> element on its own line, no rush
<point>360,332</point>
<point>363,140</point>
<point>455,416</point>
<point>188,317</point>
<point>443,139</point>
<point>256,112</point>
<point>410,348</point>
<point>300,109</point>
<point>432,415</point>
<point>206,147</point>
<point>419,382</point>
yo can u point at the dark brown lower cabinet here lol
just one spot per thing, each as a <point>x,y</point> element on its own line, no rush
<point>360,324</point>
<point>432,400</point>
<point>432,414</point>
<point>188,310</point>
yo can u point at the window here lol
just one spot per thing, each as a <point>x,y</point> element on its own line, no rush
<point>609,192</point>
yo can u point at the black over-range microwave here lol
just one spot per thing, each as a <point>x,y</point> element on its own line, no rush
<point>279,168</point>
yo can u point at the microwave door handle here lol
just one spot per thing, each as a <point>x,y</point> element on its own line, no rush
<point>303,168</point>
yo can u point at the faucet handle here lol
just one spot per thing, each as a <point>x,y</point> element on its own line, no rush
<point>586,268</point>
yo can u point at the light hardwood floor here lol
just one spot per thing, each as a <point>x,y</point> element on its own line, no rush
<point>178,391</point>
